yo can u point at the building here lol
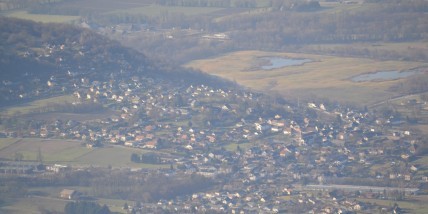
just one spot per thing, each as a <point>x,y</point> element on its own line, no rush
<point>68,194</point>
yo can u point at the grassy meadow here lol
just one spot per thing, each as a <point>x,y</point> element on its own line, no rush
<point>71,152</point>
<point>53,151</point>
<point>5,142</point>
<point>158,10</point>
<point>415,204</point>
<point>325,77</point>
<point>50,201</point>
<point>35,105</point>
<point>115,156</point>
<point>33,205</point>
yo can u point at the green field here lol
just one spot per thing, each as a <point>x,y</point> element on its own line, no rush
<point>5,142</point>
<point>416,206</point>
<point>71,152</point>
<point>43,17</point>
<point>35,205</point>
<point>50,201</point>
<point>234,146</point>
<point>324,77</point>
<point>117,156</point>
<point>158,10</point>
<point>53,151</point>
<point>35,105</point>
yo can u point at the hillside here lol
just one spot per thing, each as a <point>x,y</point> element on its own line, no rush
<point>100,123</point>
<point>33,54</point>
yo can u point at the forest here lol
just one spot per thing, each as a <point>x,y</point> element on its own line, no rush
<point>279,28</point>
<point>274,25</point>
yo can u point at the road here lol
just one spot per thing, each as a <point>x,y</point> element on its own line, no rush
<point>358,188</point>
<point>395,99</point>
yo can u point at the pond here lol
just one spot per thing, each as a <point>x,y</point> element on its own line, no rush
<point>280,62</point>
<point>385,75</point>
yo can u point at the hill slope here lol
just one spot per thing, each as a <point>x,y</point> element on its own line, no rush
<point>33,54</point>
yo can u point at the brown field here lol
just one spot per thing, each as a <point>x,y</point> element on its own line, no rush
<point>324,77</point>
<point>43,17</point>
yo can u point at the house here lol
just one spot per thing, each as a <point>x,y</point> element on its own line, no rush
<point>150,145</point>
<point>130,143</point>
<point>57,168</point>
<point>407,177</point>
<point>68,194</point>
<point>262,127</point>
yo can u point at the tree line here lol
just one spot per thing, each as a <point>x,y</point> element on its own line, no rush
<point>285,28</point>
<point>86,207</point>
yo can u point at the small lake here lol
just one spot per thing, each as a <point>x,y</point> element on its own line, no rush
<point>280,62</point>
<point>385,75</point>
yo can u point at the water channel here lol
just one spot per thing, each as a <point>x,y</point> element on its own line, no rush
<point>280,62</point>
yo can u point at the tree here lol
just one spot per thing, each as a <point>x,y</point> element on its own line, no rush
<point>85,207</point>
<point>104,210</point>
<point>39,156</point>
<point>239,149</point>
<point>151,158</point>
<point>19,156</point>
<point>135,158</point>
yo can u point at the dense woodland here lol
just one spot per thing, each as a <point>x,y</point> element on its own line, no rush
<point>280,30</point>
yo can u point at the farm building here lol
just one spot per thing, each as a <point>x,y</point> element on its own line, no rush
<point>68,194</point>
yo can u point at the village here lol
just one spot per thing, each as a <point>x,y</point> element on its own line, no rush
<point>264,158</point>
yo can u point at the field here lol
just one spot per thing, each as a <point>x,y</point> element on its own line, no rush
<point>325,77</point>
<point>5,142</point>
<point>35,105</point>
<point>70,152</point>
<point>71,116</point>
<point>416,205</point>
<point>116,156</point>
<point>34,205</point>
<point>43,17</point>
<point>233,147</point>
<point>53,151</point>
<point>50,201</point>
<point>158,10</point>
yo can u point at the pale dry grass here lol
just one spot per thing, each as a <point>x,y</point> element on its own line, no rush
<point>325,77</point>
